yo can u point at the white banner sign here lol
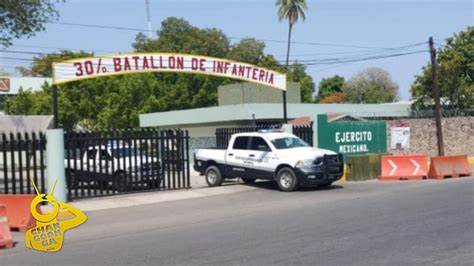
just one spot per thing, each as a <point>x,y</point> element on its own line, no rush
<point>84,68</point>
<point>400,138</point>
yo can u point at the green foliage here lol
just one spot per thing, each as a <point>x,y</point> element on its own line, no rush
<point>329,86</point>
<point>117,101</point>
<point>456,75</point>
<point>20,18</point>
<point>27,102</point>
<point>372,85</point>
<point>335,97</point>
<point>298,74</point>
<point>248,50</point>
<point>178,36</point>
<point>291,10</point>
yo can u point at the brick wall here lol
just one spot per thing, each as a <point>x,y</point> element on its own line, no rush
<point>458,136</point>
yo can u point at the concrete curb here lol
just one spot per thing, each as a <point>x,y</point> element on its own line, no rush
<point>129,200</point>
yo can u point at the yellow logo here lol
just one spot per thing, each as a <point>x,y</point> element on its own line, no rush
<point>48,235</point>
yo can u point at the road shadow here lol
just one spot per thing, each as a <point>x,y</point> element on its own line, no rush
<point>271,185</point>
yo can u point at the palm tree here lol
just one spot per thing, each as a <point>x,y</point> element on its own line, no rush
<point>291,10</point>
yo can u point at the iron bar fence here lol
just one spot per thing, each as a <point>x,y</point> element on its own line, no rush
<point>304,132</point>
<point>22,159</point>
<point>124,161</point>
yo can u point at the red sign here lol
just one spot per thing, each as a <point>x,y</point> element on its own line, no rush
<point>4,84</point>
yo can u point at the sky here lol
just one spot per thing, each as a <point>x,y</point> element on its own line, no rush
<point>350,29</point>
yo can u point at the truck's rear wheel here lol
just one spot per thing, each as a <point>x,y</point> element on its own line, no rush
<point>286,179</point>
<point>213,176</point>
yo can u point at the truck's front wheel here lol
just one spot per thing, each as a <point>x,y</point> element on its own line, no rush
<point>213,176</point>
<point>286,179</point>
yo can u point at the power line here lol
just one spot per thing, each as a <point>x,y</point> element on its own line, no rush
<point>230,37</point>
<point>356,56</point>
<point>369,55</point>
<point>338,61</point>
<point>98,26</point>
<point>365,53</point>
<point>366,59</point>
<point>300,62</point>
<point>296,55</point>
<point>22,52</point>
<point>16,58</point>
<point>62,48</point>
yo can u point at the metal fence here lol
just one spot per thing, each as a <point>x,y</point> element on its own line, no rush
<point>124,161</point>
<point>305,133</point>
<point>223,134</point>
<point>22,159</point>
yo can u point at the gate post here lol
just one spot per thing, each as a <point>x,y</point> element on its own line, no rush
<point>287,128</point>
<point>55,163</point>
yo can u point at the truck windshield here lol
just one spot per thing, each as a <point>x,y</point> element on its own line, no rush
<point>125,152</point>
<point>288,143</point>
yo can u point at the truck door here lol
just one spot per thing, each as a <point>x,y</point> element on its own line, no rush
<point>237,156</point>
<point>259,164</point>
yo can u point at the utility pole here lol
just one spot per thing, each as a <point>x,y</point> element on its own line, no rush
<point>434,78</point>
<point>148,17</point>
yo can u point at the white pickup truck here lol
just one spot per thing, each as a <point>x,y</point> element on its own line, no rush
<point>277,156</point>
<point>115,166</point>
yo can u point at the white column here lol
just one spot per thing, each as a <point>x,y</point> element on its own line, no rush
<point>287,128</point>
<point>55,163</point>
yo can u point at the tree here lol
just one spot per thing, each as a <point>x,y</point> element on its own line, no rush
<point>20,18</point>
<point>329,86</point>
<point>27,102</point>
<point>335,97</point>
<point>456,75</point>
<point>291,10</point>
<point>178,36</point>
<point>248,50</point>
<point>117,101</point>
<point>372,85</point>
<point>307,86</point>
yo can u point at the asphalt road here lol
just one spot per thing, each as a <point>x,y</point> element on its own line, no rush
<point>429,222</point>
